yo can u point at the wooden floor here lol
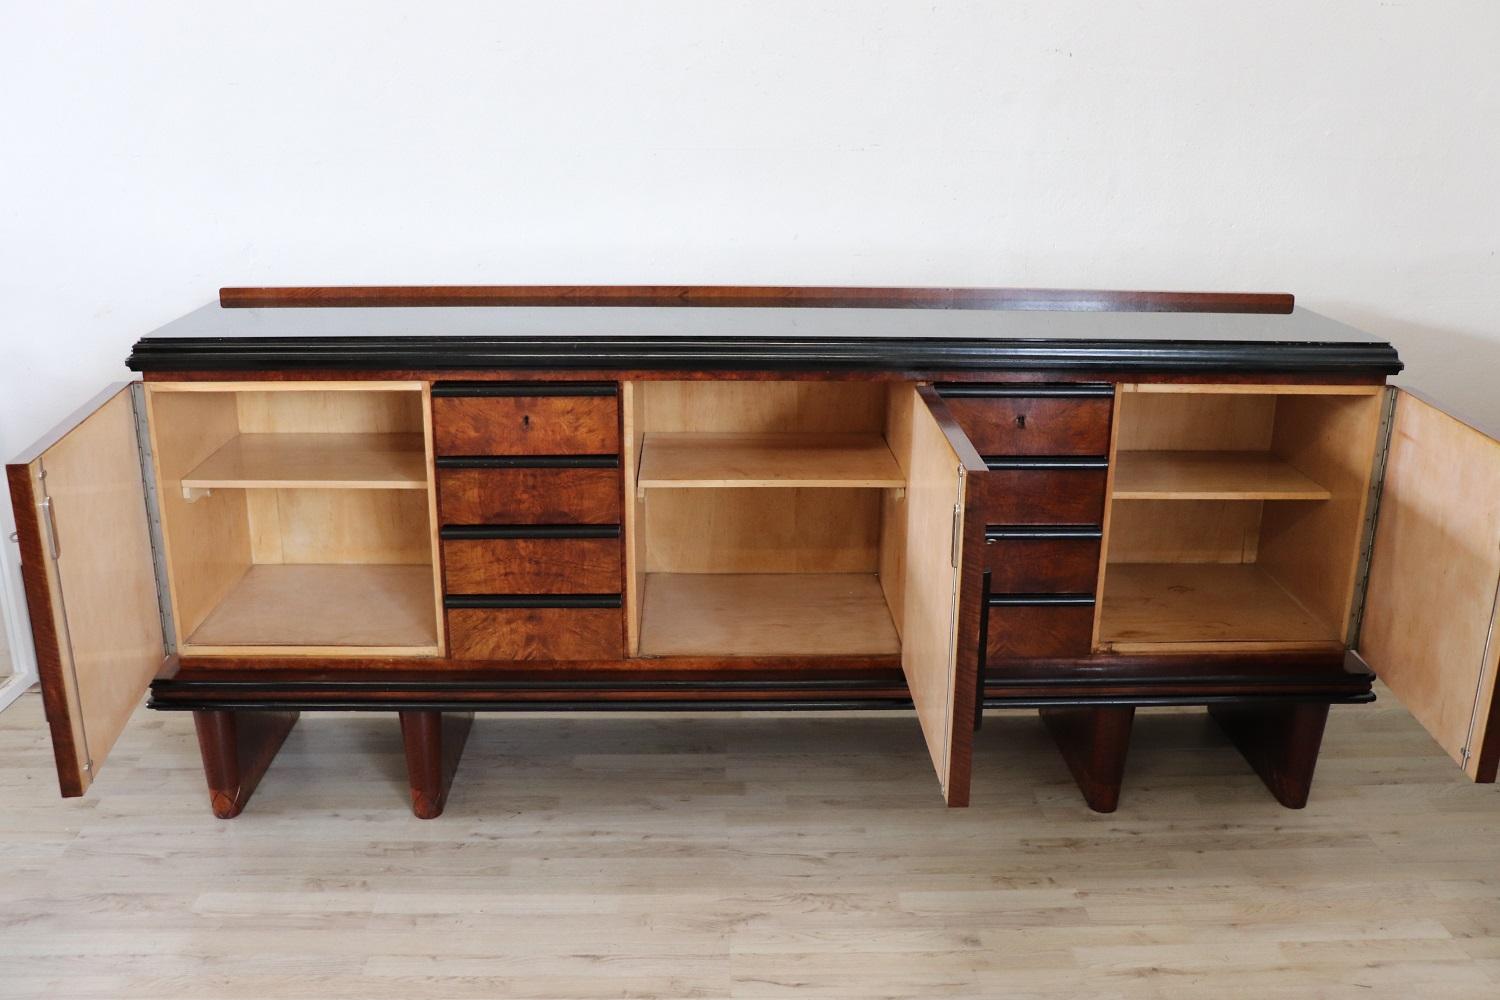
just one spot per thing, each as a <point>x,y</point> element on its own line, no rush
<point>747,857</point>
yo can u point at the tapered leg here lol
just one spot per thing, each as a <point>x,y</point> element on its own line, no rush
<point>1280,741</point>
<point>1093,741</point>
<point>434,742</point>
<point>237,748</point>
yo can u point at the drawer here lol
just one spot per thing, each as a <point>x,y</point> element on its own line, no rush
<point>1033,420</point>
<point>557,628</point>
<point>503,491</point>
<point>1025,491</point>
<point>1025,627</point>
<point>1024,559</point>
<point>528,418</point>
<point>558,559</point>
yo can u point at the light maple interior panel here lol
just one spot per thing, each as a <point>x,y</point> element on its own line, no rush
<point>783,490</point>
<point>1255,492</point>
<point>321,490</point>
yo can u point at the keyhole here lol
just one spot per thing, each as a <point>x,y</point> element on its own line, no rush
<point>1021,421</point>
<point>526,421</point>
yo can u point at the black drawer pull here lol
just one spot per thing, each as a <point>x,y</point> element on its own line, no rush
<point>1006,463</point>
<point>528,461</point>
<point>458,602</point>
<point>991,390</point>
<point>1041,532</point>
<point>461,532</point>
<point>1039,600</point>
<point>492,389</point>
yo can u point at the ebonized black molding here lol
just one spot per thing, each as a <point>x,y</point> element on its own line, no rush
<point>1006,463</point>
<point>1042,532</point>
<point>512,389</point>
<point>1039,600</point>
<point>908,354</point>
<point>527,462</point>
<point>455,602</point>
<point>461,532</point>
<point>1025,390</point>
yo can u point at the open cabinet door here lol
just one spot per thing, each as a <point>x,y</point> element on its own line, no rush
<point>938,654</point>
<point>1428,629</point>
<point>86,562</point>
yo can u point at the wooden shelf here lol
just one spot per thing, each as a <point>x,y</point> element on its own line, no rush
<point>684,461</point>
<point>1185,603</point>
<point>373,607</point>
<point>314,461</point>
<point>769,614</point>
<point>1210,475</point>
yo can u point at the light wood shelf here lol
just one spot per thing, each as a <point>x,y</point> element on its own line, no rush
<point>719,460</point>
<point>1210,475</point>
<point>1148,604</point>
<point>314,461</point>
<point>375,607</point>
<point>766,614</point>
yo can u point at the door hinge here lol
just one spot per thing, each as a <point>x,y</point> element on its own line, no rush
<point>153,517</point>
<point>1372,517</point>
<point>955,547</point>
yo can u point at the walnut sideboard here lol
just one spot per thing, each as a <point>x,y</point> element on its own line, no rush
<point>436,501</point>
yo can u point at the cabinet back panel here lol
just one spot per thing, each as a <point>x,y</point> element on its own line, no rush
<point>762,531</point>
<point>1189,531</point>
<point>329,412</point>
<point>1169,421</point>
<point>339,526</point>
<point>762,407</point>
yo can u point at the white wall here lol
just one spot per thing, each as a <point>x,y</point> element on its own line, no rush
<point>1344,150</point>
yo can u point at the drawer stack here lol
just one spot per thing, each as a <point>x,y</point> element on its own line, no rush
<point>1046,447</point>
<point>529,494</point>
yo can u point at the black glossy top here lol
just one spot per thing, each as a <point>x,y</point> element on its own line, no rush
<point>683,338</point>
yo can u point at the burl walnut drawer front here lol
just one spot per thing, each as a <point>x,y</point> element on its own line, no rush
<point>547,559</point>
<point>1042,491</point>
<point>1023,559</point>
<point>1030,626</point>
<point>529,418</point>
<point>589,627</point>
<point>529,491</point>
<point>1033,419</point>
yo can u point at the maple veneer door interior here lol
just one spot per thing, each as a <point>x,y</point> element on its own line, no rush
<point>1429,621</point>
<point>936,457</point>
<point>90,581</point>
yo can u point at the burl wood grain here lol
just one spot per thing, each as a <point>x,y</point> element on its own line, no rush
<point>532,565</point>
<point>1040,425</point>
<point>536,633</point>
<point>1094,742</point>
<point>1039,630</point>
<point>1042,566</point>
<point>1033,496</point>
<point>525,425</point>
<point>529,496</point>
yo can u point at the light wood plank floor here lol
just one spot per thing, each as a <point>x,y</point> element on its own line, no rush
<point>747,857</point>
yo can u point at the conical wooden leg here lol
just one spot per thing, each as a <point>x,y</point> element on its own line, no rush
<point>1280,741</point>
<point>434,742</point>
<point>237,748</point>
<point>1093,741</point>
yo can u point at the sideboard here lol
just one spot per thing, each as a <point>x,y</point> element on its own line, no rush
<point>432,501</point>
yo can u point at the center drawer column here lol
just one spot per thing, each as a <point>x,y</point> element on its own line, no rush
<point>530,495</point>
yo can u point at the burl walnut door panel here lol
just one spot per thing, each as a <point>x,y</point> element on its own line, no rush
<point>1430,613</point>
<point>90,581</point>
<point>939,652</point>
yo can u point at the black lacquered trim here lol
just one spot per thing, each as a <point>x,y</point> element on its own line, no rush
<point>466,705</point>
<point>459,602</point>
<point>1039,600</point>
<point>1025,390</point>
<point>527,461</point>
<point>1007,463</point>
<point>511,389</point>
<point>465,532</point>
<point>1041,532</point>
<point>917,354</point>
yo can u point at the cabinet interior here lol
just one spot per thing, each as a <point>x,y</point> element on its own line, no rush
<point>1236,515</point>
<point>766,518</point>
<point>299,517</point>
